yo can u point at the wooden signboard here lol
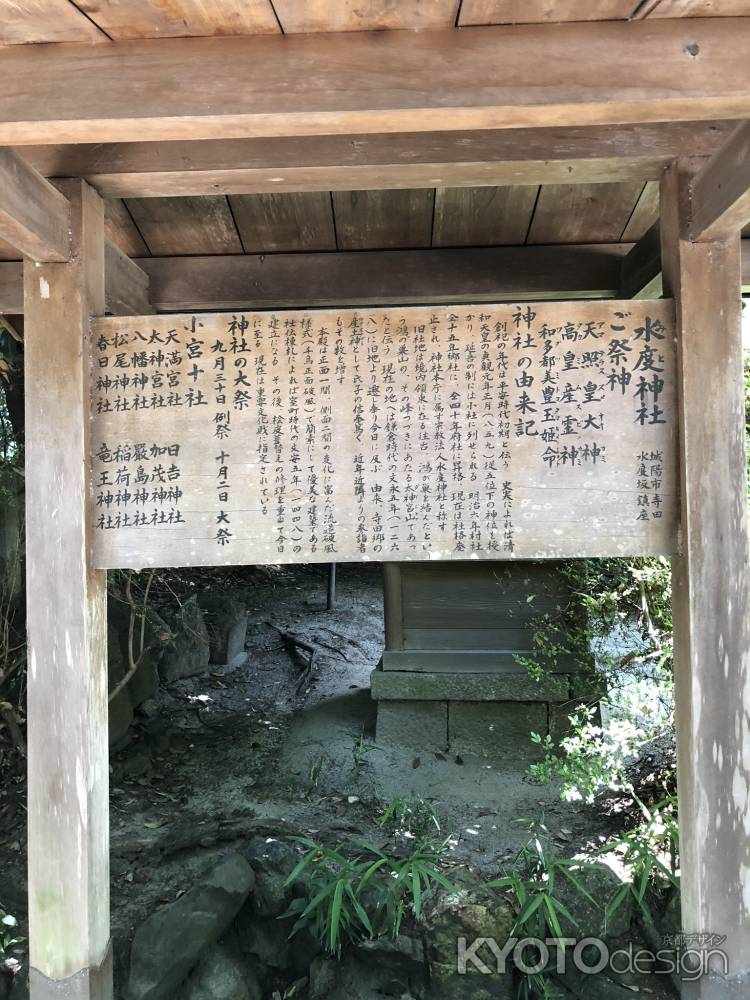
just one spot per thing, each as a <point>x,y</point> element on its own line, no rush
<point>459,432</point>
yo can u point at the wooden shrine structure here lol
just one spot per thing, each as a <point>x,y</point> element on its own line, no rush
<point>458,158</point>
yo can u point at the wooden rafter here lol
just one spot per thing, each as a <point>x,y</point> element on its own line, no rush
<point>424,159</point>
<point>375,83</point>
<point>34,216</point>
<point>720,191</point>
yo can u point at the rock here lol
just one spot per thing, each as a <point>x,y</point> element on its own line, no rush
<point>187,653</point>
<point>222,975</point>
<point>226,620</point>
<point>168,945</point>
<point>145,681</point>
<point>471,914</point>
<point>601,883</point>
<point>352,979</point>
<point>265,939</point>
<point>272,861</point>
<point>150,708</point>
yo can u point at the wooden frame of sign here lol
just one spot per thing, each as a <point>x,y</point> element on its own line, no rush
<point>521,431</point>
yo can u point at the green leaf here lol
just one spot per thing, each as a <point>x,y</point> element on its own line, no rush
<point>416,889</point>
<point>336,914</point>
<point>9,921</point>
<point>530,908</point>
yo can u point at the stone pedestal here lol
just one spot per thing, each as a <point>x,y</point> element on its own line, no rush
<point>450,676</point>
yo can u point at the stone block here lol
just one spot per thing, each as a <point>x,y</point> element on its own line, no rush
<point>226,620</point>
<point>188,652</point>
<point>403,685</point>
<point>499,729</point>
<point>414,724</point>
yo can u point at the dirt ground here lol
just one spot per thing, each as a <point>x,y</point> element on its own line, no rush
<point>252,749</point>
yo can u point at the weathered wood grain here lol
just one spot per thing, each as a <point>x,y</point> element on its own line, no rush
<point>381,277</point>
<point>379,220</point>
<point>68,770</point>
<point>482,216</point>
<point>720,193</point>
<point>645,213</point>
<point>711,591</point>
<point>34,216</point>
<point>126,284</point>
<point>123,19</point>
<point>186,225</point>
<point>25,21</point>
<point>475,12</point>
<point>284,223</point>
<point>364,15</point>
<point>120,229</point>
<point>394,81</point>
<point>564,211</point>
<point>411,434</point>
<point>370,162</point>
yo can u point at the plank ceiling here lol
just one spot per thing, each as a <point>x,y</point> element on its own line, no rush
<point>380,220</point>
<point>101,21</point>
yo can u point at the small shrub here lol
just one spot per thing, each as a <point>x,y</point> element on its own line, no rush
<point>347,899</point>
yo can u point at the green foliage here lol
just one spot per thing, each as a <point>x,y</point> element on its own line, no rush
<point>650,854</point>
<point>9,939</point>
<point>410,817</point>
<point>349,898</point>
<point>593,757</point>
<point>533,884</point>
<point>360,750</point>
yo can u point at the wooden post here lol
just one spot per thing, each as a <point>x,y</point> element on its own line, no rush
<point>711,588</point>
<point>67,683</point>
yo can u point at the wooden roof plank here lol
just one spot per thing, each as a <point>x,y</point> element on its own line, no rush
<point>34,215</point>
<point>476,12</point>
<point>565,211</point>
<point>483,216</point>
<point>123,19</point>
<point>697,8</point>
<point>364,15</point>
<point>120,229</point>
<point>377,82</point>
<point>379,220</point>
<point>362,162</point>
<point>26,21</point>
<point>186,225</point>
<point>720,191</point>
<point>284,223</point>
<point>645,213</point>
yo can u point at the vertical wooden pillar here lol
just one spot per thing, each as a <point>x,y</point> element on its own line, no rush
<point>711,594</point>
<point>67,682</point>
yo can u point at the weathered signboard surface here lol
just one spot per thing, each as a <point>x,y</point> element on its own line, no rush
<point>487,432</point>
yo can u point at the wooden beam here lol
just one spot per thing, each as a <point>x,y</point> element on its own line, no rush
<point>641,268</point>
<point>34,216</point>
<point>711,593</point>
<point>302,280</point>
<point>382,277</point>
<point>720,202</point>
<point>68,759</point>
<point>127,286</point>
<point>641,276</point>
<point>364,82</point>
<point>366,162</point>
